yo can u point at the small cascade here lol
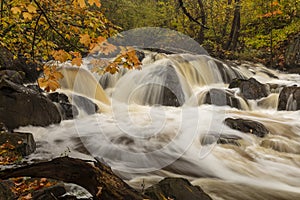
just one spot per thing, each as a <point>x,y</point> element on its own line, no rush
<point>83,82</point>
<point>170,79</point>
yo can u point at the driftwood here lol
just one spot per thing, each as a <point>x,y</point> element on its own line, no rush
<point>98,179</point>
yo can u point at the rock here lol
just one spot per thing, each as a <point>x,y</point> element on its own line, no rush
<point>35,88</point>
<point>21,106</point>
<point>23,142</point>
<point>49,193</point>
<point>67,110</point>
<point>220,139</point>
<point>12,75</point>
<point>3,128</point>
<point>221,97</point>
<point>85,104</point>
<point>247,126</point>
<point>289,98</point>
<point>251,88</point>
<point>8,62</point>
<point>176,188</point>
<point>292,54</point>
<point>5,192</point>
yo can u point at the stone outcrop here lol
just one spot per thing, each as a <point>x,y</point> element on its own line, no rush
<point>251,88</point>
<point>247,126</point>
<point>289,98</point>
<point>176,188</point>
<point>22,106</point>
<point>221,97</point>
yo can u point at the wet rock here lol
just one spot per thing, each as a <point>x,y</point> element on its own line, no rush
<point>67,110</point>
<point>176,188</point>
<point>23,142</point>
<point>35,88</point>
<point>85,104</point>
<point>220,139</point>
<point>251,88</point>
<point>289,98</point>
<point>21,106</point>
<point>221,97</point>
<point>247,126</point>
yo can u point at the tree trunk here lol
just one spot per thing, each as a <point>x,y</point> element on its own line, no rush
<point>99,180</point>
<point>235,28</point>
<point>201,35</point>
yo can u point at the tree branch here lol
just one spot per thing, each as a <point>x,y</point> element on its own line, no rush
<point>185,11</point>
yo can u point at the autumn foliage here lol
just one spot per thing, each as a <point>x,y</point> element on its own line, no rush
<point>43,30</point>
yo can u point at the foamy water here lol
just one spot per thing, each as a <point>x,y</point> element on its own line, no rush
<point>146,143</point>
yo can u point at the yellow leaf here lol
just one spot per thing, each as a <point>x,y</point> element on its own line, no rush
<point>81,3</point>
<point>57,75</point>
<point>16,10</point>
<point>96,2</point>
<point>31,8</point>
<point>85,39</point>
<point>27,15</point>
<point>77,61</point>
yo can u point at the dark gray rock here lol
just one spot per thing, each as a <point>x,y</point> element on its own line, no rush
<point>177,189</point>
<point>49,193</point>
<point>85,104</point>
<point>8,62</point>
<point>247,126</point>
<point>23,142</point>
<point>289,98</point>
<point>221,97</point>
<point>12,75</point>
<point>21,106</point>
<point>251,88</point>
<point>220,139</point>
<point>67,110</point>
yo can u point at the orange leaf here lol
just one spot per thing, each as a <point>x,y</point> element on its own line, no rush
<point>81,3</point>
<point>85,39</point>
<point>61,56</point>
<point>96,2</point>
<point>77,61</point>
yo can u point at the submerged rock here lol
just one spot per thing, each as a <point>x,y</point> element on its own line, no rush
<point>221,97</point>
<point>251,88</point>
<point>22,106</point>
<point>247,126</point>
<point>220,139</point>
<point>85,104</point>
<point>289,98</point>
<point>176,188</point>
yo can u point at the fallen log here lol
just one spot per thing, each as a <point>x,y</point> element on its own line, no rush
<point>98,179</point>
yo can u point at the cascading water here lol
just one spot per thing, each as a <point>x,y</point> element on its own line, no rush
<point>157,123</point>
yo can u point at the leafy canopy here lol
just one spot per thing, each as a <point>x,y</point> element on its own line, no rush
<point>42,30</point>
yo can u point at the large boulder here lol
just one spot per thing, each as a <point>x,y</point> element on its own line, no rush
<point>22,106</point>
<point>221,97</point>
<point>289,98</point>
<point>251,88</point>
<point>176,188</point>
<point>247,126</point>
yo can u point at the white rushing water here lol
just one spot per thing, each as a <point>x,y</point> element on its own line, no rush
<point>144,142</point>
